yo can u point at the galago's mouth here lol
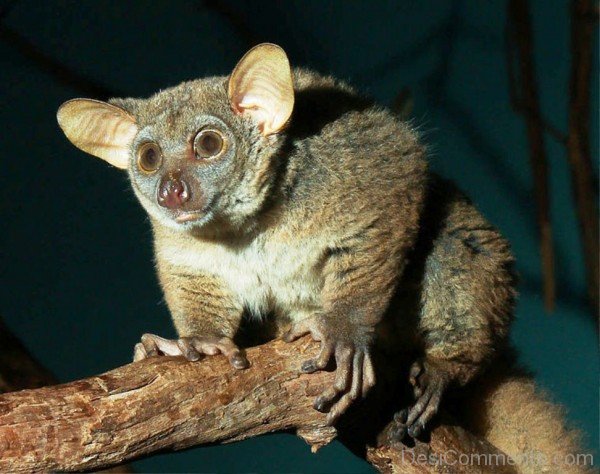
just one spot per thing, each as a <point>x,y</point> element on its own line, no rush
<point>187,216</point>
<point>181,217</point>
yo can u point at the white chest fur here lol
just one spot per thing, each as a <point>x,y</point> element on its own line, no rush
<point>266,275</point>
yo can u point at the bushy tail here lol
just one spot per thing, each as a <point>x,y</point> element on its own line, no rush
<point>508,410</point>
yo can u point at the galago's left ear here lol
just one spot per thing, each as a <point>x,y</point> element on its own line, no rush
<point>100,129</point>
<point>261,87</point>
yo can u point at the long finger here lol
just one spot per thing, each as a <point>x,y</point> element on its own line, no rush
<point>343,374</point>
<point>343,370</point>
<point>357,375</point>
<point>206,347</point>
<point>321,361</point>
<point>149,345</point>
<point>188,350</point>
<point>419,406</point>
<point>166,346</point>
<point>297,331</point>
<point>339,408</point>
<point>236,358</point>
<point>369,380</point>
<point>139,352</point>
<point>430,411</point>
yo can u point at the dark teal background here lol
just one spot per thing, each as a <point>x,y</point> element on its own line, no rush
<point>78,284</point>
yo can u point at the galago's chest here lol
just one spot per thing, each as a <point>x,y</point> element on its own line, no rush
<point>264,276</point>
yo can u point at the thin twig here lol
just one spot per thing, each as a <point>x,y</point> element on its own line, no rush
<point>403,104</point>
<point>520,36</point>
<point>578,145</point>
<point>516,99</point>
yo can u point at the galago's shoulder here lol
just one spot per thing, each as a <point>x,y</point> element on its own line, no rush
<point>348,154</point>
<point>337,128</point>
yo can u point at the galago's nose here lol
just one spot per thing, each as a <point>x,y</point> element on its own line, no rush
<point>173,192</point>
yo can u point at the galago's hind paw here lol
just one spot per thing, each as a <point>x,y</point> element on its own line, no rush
<point>429,384</point>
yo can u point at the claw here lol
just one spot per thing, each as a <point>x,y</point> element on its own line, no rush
<point>238,361</point>
<point>414,372</point>
<point>309,366</point>
<point>419,407</point>
<point>321,404</point>
<point>312,365</point>
<point>415,430</point>
<point>188,350</point>
<point>401,416</point>
<point>397,432</point>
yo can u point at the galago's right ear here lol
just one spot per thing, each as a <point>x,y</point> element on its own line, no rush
<point>98,128</point>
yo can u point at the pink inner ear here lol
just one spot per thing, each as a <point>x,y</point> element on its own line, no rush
<point>267,107</point>
<point>261,88</point>
<point>98,128</point>
<point>261,109</point>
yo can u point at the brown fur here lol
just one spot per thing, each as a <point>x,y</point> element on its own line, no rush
<point>506,408</point>
<point>461,284</point>
<point>332,226</point>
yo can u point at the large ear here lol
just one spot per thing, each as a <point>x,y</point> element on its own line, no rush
<point>261,87</point>
<point>98,128</point>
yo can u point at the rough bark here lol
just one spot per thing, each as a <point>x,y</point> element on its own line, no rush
<point>20,370</point>
<point>168,404</point>
<point>451,449</point>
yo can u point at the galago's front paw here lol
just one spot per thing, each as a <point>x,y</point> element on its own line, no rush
<point>429,385</point>
<point>192,348</point>
<point>355,374</point>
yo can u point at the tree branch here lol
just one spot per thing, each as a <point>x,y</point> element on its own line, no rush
<point>20,370</point>
<point>526,101</point>
<point>578,143</point>
<point>169,403</point>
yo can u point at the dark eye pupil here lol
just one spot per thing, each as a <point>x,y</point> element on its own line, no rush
<point>150,158</point>
<point>208,144</point>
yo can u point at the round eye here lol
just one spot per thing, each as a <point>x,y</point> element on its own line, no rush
<point>208,144</point>
<point>149,157</point>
